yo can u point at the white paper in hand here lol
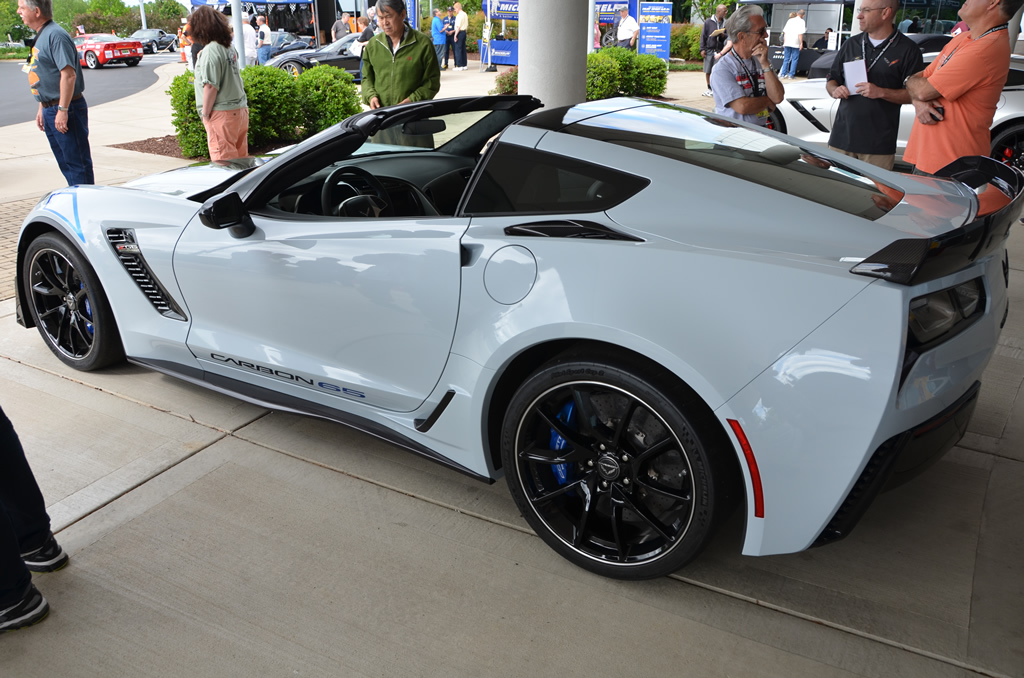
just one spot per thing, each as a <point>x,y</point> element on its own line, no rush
<point>855,73</point>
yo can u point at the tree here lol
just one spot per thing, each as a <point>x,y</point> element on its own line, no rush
<point>65,12</point>
<point>107,7</point>
<point>10,22</point>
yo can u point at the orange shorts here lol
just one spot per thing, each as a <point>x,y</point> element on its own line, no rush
<point>226,134</point>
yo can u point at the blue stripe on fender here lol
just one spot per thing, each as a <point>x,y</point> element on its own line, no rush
<point>62,204</point>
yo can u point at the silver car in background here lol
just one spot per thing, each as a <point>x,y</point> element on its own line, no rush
<point>808,113</point>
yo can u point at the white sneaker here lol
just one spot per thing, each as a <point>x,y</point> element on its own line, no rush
<point>708,93</point>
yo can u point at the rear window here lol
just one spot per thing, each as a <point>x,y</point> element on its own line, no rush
<point>760,158</point>
<point>520,180</point>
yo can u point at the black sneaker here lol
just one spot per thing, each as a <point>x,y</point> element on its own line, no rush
<point>30,610</point>
<point>49,557</point>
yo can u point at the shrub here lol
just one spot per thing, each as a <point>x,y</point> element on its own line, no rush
<point>188,126</point>
<point>602,75</point>
<point>274,111</point>
<point>507,82</point>
<point>692,33</point>
<point>679,43</point>
<point>326,96</point>
<point>651,76</point>
<point>626,61</point>
<point>15,52</point>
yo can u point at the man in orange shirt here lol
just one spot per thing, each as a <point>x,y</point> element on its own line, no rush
<point>955,97</point>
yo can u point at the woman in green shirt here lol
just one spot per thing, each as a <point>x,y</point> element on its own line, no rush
<point>220,96</point>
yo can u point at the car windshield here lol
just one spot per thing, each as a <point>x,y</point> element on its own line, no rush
<point>339,44</point>
<point>421,135</point>
<point>145,34</point>
<point>738,151</point>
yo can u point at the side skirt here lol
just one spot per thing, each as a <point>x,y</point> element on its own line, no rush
<point>264,397</point>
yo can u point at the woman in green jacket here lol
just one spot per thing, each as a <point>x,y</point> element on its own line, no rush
<point>399,63</point>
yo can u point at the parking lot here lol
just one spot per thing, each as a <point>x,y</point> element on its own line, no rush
<point>211,537</point>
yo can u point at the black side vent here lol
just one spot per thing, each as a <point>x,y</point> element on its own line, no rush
<point>568,228</point>
<point>128,252</point>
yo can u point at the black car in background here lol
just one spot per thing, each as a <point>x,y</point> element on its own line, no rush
<point>337,54</point>
<point>154,40</point>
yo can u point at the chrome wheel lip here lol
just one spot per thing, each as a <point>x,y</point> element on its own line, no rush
<point>72,302</point>
<point>528,493</point>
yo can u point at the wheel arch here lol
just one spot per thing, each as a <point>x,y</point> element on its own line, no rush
<point>40,226</point>
<point>1002,127</point>
<point>515,371</point>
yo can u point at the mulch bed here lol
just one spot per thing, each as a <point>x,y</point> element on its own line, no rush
<point>168,146</point>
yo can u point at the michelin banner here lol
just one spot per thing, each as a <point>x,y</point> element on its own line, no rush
<point>607,12</point>
<point>655,29</point>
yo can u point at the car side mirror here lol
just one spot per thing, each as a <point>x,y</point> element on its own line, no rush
<point>227,211</point>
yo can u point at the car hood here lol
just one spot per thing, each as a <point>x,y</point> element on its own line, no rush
<point>188,181</point>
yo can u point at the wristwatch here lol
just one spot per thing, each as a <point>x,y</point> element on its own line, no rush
<point>62,108</point>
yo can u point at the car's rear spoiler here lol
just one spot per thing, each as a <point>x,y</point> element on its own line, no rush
<point>915,260</point>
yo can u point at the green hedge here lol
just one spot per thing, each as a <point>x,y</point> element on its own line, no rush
<point>327,96</point>
<point>614,71</point>
<point>281,108</point>
<point>602,76</point>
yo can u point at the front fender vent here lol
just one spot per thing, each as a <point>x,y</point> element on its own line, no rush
<point>130,256</point>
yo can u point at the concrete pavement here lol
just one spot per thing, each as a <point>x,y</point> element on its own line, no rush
<point>212,538</point>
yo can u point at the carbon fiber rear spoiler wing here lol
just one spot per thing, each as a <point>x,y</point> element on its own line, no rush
<point>916,260</point>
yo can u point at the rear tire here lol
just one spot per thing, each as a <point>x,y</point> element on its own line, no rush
<point>68,305</point>
<point>616,466</point>
<point>92,61</point>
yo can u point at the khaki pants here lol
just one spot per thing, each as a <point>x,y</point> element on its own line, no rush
<point>226,134</point>
<point>884,161</point>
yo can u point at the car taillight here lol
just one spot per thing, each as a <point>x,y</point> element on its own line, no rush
<point>933,315</point>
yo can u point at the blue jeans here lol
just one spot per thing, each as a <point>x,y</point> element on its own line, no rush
<point>790,55</point>
<point>24,524</point>
<point>263,54</point>
<point>71,149</point>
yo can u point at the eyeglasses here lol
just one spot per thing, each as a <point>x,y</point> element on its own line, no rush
<point>761,33</point>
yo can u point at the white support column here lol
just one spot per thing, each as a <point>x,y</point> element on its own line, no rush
<point>552,50</point>
<point>236,25</point>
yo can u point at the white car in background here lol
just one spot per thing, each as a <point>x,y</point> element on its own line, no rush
<point>808,113</point>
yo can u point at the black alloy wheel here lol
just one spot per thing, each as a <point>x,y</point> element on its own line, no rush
<point>92,61</point>
<point>1008,146</point>
<point>610,472</point>
<point>68,305</point>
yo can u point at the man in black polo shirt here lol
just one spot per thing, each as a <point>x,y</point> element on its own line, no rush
<point>869,112</point>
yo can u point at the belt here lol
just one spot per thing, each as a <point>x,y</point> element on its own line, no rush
<point>48,104</point>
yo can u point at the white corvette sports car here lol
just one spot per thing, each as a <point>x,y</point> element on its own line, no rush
<point>714,318</point>
<point>808,113</point>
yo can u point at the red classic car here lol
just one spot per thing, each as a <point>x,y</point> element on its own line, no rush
<point>100,49</point>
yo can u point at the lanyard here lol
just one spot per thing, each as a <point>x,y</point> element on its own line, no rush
<point>950,55</point>
<point>753,81</point>
<point>864,49</point>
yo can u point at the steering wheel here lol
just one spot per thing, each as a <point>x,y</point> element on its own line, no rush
<point>327,192</point>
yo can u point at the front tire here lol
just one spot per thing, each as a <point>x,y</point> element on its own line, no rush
<point>291,68</point>
<point>68,305</point>
<point>609,463</point>
<point>92,61</point>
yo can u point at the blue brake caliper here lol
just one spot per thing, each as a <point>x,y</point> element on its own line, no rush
<point>88,310</point>
<point>566,415</point>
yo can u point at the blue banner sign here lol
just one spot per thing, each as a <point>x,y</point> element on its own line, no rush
<point>655,29</point>
<point>607,10</point>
